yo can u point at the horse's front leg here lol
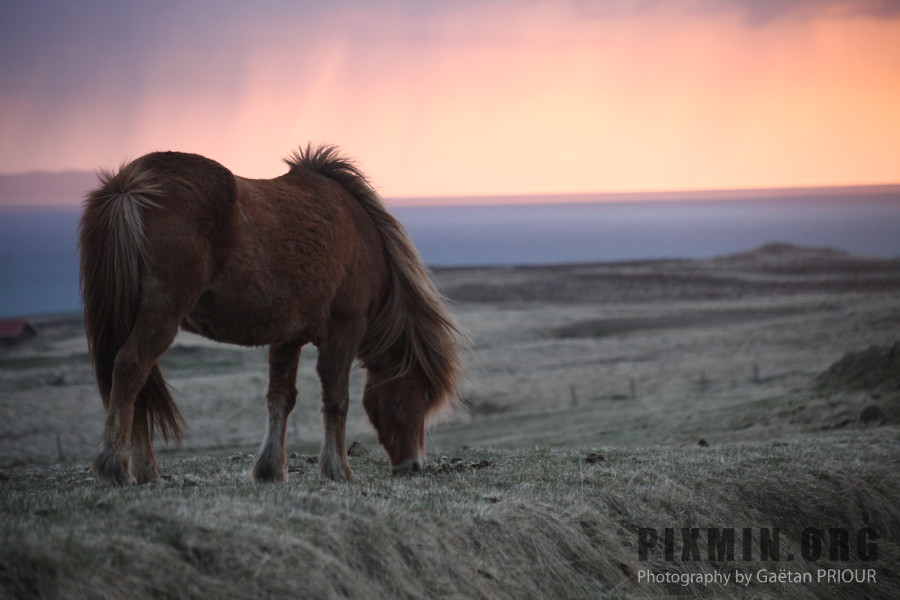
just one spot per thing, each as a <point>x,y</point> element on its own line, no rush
<point>336,355</point>
<point>281,398</point>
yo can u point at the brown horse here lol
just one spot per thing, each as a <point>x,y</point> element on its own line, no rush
<point>176,240</point>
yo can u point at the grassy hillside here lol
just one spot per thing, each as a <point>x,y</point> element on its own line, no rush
<point>536,523</point>
<point>589,390</point>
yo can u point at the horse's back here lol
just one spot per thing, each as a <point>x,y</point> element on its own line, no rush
<point>194,199</point>
<point>313,249</point>
<point>184,170</point>
<point>269,259</point>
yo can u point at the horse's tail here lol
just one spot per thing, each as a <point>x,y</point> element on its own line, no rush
<point>111,242</point>
<point>414,317</point>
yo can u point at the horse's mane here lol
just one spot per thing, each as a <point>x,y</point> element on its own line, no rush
<point>414,317</point>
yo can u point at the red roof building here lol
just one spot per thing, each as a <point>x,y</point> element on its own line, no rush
<point>14,331</point>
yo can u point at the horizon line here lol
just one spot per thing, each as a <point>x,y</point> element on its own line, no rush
<point>700,194</point>
<point>533,198</point>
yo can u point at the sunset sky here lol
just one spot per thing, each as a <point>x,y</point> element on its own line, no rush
<point>463,97</point>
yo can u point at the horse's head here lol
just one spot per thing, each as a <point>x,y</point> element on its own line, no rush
<point>398,408</point>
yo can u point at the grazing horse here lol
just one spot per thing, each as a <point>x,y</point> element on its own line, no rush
<point>176,240</point>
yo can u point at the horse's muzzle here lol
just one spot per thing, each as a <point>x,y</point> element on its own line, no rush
<point>408,467</point>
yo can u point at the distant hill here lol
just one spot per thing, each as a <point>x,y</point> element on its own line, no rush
<point>66,188</point>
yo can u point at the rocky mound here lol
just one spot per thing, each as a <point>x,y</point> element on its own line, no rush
<point>874,371</point>
<point>776,252</point>
<point>789,259</point>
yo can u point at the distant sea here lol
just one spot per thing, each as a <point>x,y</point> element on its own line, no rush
<point>39,264</point>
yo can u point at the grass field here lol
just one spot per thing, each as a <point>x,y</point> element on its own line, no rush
<point>535,523</point>
<point>609,407</point>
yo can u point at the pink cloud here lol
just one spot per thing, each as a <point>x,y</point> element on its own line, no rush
<point>472,98</point>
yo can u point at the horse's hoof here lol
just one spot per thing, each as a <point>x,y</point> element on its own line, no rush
<point>145,474</point>
<point>335,472</point>
<point>341,475</point>
<point>267,474</point>
<point>111,468</point>
<point>269,466</point>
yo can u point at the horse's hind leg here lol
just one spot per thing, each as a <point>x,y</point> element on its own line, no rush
<point>143,460</point>
<point>336,355</point>
<point>282,395</point>
<point>152,334</point>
